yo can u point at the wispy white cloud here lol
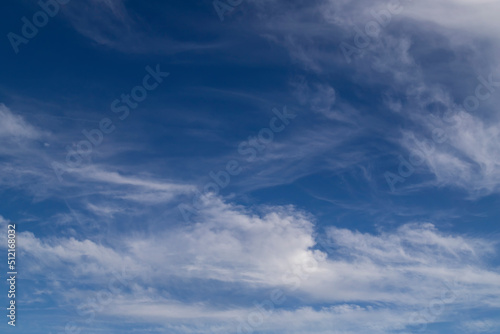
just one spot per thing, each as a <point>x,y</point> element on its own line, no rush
<point>15,128</point>
<point>110,23</point>
<point>460,151</point>
<point>30,157</point>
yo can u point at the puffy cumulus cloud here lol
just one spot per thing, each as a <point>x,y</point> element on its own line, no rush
<point>227,245</point>
<point>360,282</point>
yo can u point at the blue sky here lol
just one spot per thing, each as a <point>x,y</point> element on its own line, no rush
<point>253,166</point>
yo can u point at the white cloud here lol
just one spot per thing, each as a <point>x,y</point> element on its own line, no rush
<point>469,16</point>
<point>461,153</point>
<point>377,280</point>
<point>110,23</point>
<point>135,188</point>
<point>14,128</point>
